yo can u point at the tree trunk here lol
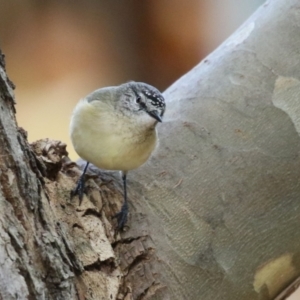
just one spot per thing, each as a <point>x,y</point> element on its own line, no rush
<point>214,214</point>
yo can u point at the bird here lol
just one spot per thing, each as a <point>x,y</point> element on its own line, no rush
<point>114,128</point>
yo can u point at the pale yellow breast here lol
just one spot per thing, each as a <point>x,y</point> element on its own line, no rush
<point>110,141</point>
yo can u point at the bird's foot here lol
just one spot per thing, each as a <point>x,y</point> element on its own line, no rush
<point>79,190</point>
<point>122,216</point>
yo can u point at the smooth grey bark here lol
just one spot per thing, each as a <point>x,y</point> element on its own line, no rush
<point>222,191</point>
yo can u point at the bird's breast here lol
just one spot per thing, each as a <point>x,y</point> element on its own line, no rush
<point>109,140</point>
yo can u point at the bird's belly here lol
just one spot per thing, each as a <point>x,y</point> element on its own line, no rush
<point>113,149</point>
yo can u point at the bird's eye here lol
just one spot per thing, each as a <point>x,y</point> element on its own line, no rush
<point>138,100</point>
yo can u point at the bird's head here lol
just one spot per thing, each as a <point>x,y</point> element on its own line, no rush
<point>141,99</point>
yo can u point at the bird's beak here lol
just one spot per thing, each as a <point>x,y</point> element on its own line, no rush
<point>154,114</point>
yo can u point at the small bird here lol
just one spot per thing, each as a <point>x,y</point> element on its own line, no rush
<point>114,128</point>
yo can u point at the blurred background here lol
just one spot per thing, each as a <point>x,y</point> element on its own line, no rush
<point>59,51</point>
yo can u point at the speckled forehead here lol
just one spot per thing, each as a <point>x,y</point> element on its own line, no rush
<point>156,98</point>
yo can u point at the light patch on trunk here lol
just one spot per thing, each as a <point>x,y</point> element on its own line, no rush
<point>10,176</point>
<point>286,97</point>
<point>275,275</point>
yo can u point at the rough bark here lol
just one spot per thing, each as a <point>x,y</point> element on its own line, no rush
<point>49,247</point>
<point>213,215</point>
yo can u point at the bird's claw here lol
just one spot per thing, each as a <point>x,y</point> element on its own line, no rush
<point>122,216</point>
<point>79,190</point>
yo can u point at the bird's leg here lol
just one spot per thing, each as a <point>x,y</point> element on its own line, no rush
<point>79,190</point>
<point>122,215</point>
